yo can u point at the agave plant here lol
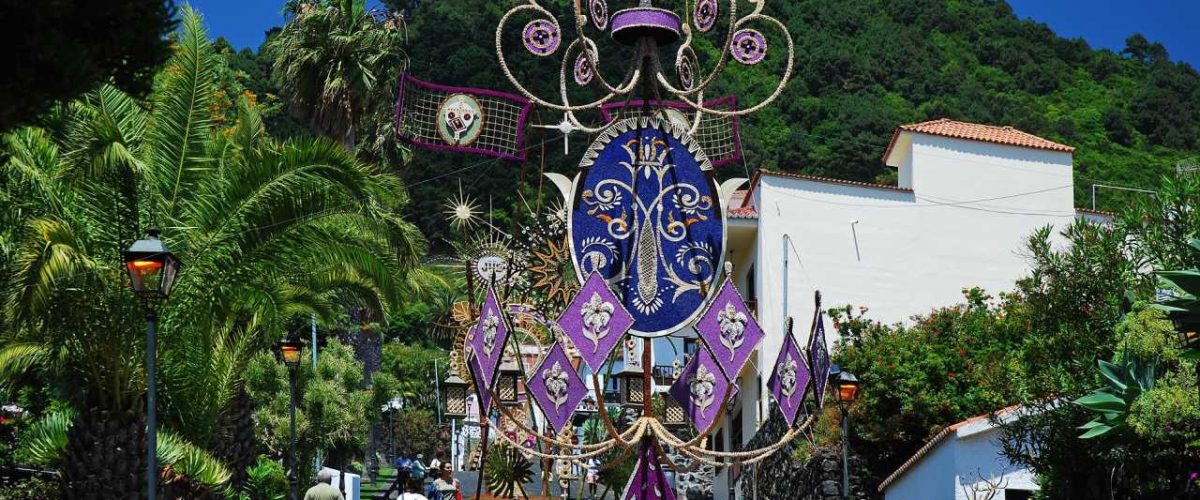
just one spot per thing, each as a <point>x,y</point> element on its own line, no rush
<point>267,231</point>
<point>1127,378</point>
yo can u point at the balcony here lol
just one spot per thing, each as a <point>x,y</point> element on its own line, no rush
<point>664,375</point>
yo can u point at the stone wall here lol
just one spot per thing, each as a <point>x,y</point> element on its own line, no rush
<point>782,477</point>
<point>692,484</point>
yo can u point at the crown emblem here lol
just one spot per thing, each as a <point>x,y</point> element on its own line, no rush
<point>648,151</point>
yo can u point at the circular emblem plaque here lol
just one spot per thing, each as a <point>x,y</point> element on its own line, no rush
<point>459,119</point>
<point>646,215</point>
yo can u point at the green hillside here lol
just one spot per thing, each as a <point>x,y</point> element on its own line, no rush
<point>862,68</point>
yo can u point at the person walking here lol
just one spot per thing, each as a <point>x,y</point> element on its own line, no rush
<point>324,489</point>
<point>412,491</point>
<point>447,486</point>
<point>418,467</point>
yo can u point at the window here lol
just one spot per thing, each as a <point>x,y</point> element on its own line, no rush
<point>1017,494</point>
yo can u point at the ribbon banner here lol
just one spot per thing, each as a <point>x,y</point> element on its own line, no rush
<point>461,119</point>
<point>717,134</point>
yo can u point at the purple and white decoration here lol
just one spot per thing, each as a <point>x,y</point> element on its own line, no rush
<point>701,390</point>
<point>595,321</point>
<point>687,75</point>
<point>583,69</point>
<point>819,361</point>
<point>541,37</point>
<point>488,336</point>
<point>646,216</point>
<point>748,46</point>
<point>599,13</point>
<point>482,389</point>
<point>495,128</point>
<point>730,330</point>
<point>705,15</point>
<point>789,379</point>
<point>556,387</point>
<point>648,481</point>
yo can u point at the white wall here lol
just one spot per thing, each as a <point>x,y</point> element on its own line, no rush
<point>979,460</point>
<point>931,479</point>
<point>965,223</point>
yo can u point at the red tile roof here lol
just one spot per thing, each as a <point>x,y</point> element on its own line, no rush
<point>936,440</point>
<point>828,180</point>
<point>748,212</point>
<point>946,127</point>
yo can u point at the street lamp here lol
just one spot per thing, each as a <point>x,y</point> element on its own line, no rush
<point>288,351</point>
<point>152,270</point>
<point>847,391</point>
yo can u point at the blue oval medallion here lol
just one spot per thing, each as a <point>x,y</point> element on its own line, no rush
<point>646,215</point>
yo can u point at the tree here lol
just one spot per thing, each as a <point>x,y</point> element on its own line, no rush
<point>337,63</point>
<point>267,231</point>
<point>67,47</point>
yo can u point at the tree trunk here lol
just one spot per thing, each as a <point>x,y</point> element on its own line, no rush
<point>234,442</point>
<point>105,456</point>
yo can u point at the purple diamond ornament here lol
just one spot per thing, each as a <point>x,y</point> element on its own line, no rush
<point>701,390</point>
<point>789,380</point>
<point>556,387</point>
<point>819,359</point>
<point>595,321</point>
<point>488,336</point>
<point>648,481</point>
<point>730,330</point>
<point>481,391</point>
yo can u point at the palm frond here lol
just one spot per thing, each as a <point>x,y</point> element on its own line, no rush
<point>191,461</point>
<point>44,442</point>
<point>18,358</point>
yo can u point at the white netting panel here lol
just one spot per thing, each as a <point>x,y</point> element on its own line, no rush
<point>500,132</point>
<point>717,134</point>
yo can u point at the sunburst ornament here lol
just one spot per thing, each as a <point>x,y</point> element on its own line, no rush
<point>462,211</point>
<point>551,269</point>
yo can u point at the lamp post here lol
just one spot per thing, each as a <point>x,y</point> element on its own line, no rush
<point>152,270</point>
<point>847,392</point>
<point>288,350</point>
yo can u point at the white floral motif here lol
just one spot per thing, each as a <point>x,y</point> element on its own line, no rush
<point>556,385</point>
<point>490,325</point>
<point>787,376</point>
<point>733,328</point>
<point>702,386</point>
<point>596,315</point>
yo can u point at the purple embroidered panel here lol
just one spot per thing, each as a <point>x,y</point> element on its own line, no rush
<point>461,119</point>
<point>595,321</point>
<point>648,481</point>
<point>789,380</point>
<point>701,389</point>
<point>481,391</point>
<point>819,359</point>
<point>730,330</point>
<point>488,336</point>
<point>556,387</point>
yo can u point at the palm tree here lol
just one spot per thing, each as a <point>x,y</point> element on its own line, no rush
<point>337,63</point>
<point>268,231</point>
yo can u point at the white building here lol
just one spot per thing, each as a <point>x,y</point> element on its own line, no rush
<point>963,462</point>
<point>967,199</point>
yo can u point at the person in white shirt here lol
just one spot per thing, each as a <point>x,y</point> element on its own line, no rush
<point>412,491</point>
<point>435,464</point>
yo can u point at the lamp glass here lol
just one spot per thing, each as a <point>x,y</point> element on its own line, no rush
<point>291,354</point>
<point>847,392</point>
<point>151,266</point>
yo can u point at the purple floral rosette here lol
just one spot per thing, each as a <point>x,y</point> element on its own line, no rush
<point>748,46</point>
<point>704,16</point>
<point>701,390</point>
<point>583,69</point>
<point>789,380</point>
<point>595,321</point>
<point>730,330</point>
<point>488,336</point>
<point>541,37</point>
<point>819,359</point>
<point>648,481</point>
<point>556,387</point>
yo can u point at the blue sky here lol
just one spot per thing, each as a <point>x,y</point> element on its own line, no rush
<point>1103,23</point>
